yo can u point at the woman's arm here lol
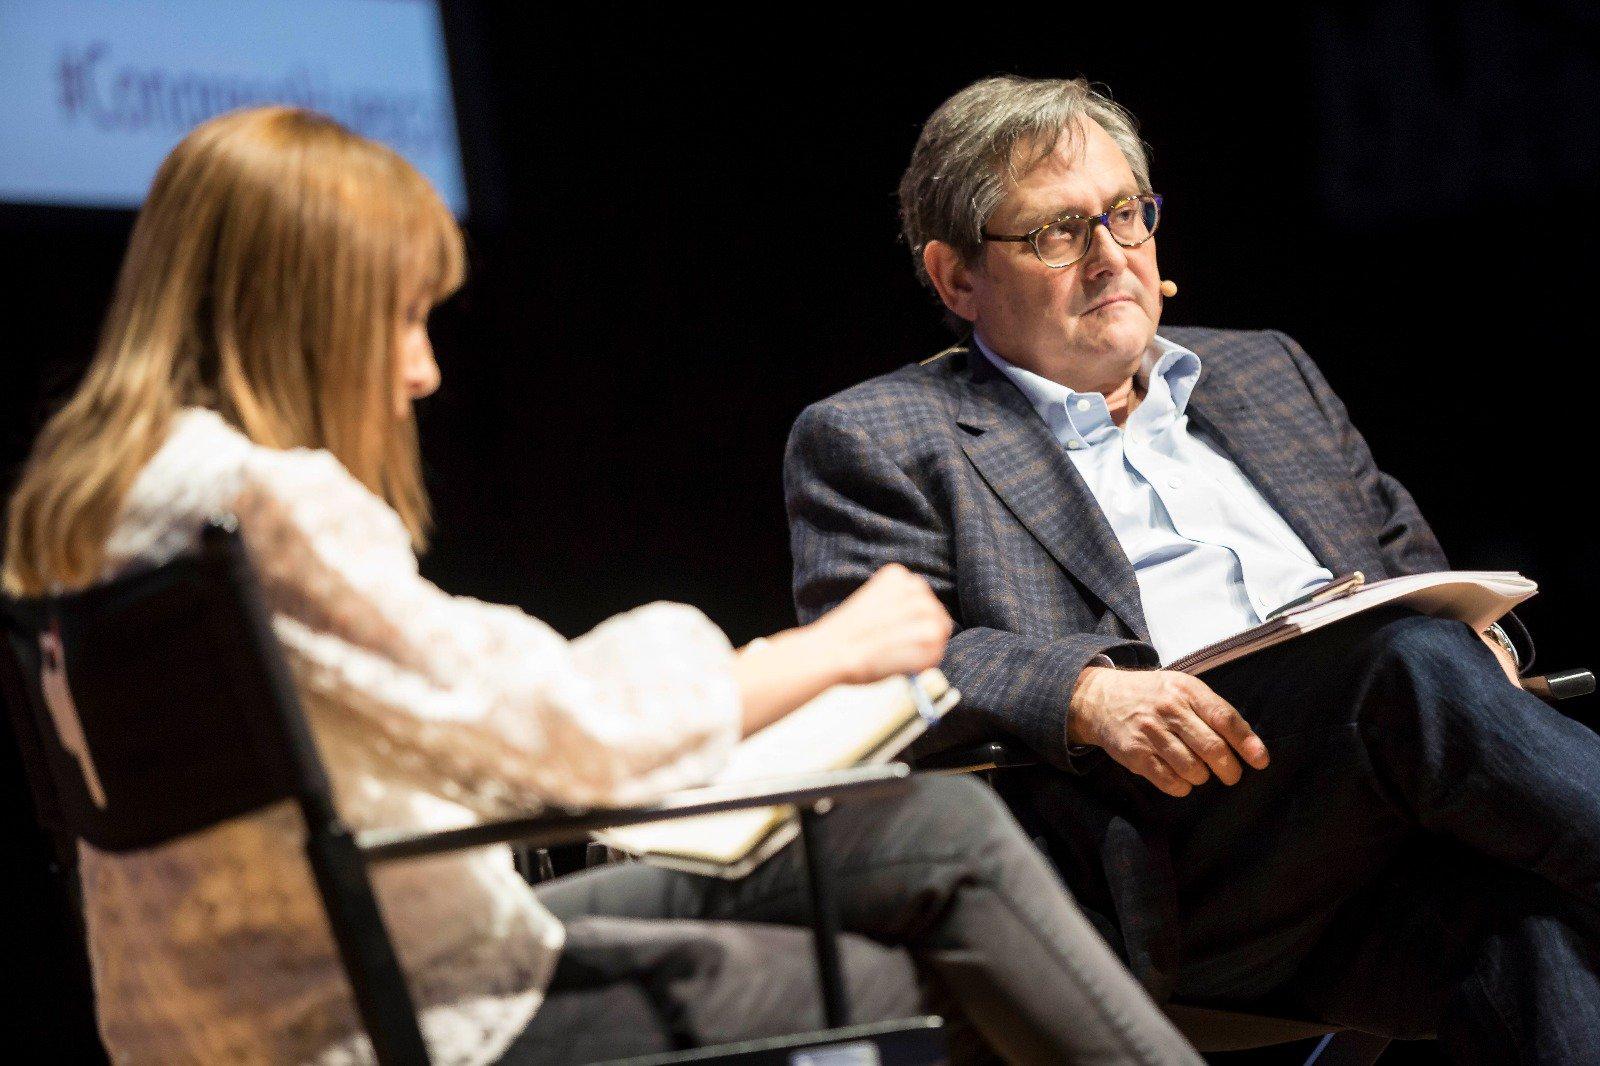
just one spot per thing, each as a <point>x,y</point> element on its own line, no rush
<point>490,705</point>
<point>891,625</point>
<point>493,704</point>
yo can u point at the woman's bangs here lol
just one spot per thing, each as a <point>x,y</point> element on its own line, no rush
<point>435,259</point>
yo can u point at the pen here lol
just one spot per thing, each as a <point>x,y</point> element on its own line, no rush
<point>1339,586</point>
<point>924,704</point>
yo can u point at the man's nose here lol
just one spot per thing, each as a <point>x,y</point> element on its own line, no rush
<point>1105,255</point>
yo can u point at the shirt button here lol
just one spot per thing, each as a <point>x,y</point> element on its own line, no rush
<point>1074,445</point>
<point>1174,482</point>
<point>1083,405</point>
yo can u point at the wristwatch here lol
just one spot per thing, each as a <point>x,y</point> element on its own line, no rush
<point>1498,635</point>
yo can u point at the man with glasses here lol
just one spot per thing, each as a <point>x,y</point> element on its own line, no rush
<point>1369,825</point>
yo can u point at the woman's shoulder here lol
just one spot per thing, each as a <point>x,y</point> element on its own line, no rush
<point>200,448</point>
<point>190,478</point>
<point>203,469</point>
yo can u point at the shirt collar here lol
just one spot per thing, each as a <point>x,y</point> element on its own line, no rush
<point>1168,371</point>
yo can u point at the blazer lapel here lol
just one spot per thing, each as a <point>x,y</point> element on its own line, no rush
<point>1024,465</point>
<point>1292,475</point>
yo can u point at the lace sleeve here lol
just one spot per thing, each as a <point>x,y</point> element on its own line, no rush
<point>487,699</point>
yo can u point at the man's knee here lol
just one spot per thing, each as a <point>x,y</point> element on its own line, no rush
<point>1426,651</point>
<point>1418,636</point>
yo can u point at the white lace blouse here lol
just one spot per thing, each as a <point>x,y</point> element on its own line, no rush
<point>430,711</point>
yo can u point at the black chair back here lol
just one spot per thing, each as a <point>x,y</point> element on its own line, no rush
<point>159,704</point>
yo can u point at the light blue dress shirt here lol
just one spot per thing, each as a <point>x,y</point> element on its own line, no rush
<point>1210,554</point>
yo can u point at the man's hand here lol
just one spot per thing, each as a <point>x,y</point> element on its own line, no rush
<point>1163,725</point>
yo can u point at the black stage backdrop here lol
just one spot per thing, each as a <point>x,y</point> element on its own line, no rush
<point>684,232</point>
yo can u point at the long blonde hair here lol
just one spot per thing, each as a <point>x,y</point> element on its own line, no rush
<point>266,278</point>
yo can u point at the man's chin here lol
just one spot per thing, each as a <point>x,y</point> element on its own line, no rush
<point>1119,341</point>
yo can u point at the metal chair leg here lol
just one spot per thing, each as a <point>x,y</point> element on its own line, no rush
<point>1347,1048</point>
<point>824,917</point>
<point>533,864</point>
<point>598,854</point>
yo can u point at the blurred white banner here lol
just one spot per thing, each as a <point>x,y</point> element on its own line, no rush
<point>93,93</point>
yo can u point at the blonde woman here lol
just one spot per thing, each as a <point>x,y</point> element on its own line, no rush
<point>265,343</point>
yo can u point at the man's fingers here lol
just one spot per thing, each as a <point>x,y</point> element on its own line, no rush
<point>1228,723</point>
<point>1182,760</point>
<point>1153,769</point>
<point>1204,742</point>
<point>1167,727</point>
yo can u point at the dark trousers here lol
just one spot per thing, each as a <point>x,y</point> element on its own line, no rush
<point>1422,856</point>
<point>631,986</point>
<point>942,872</point>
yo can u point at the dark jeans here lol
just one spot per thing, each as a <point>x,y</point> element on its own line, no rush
<point>943,872</point>
<point>1422,856</point>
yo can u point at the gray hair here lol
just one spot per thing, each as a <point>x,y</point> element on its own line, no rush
<point>984,139</point>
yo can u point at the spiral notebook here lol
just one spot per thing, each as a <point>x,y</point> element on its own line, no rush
<point>848,725</point>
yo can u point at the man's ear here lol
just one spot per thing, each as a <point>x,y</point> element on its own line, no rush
<point>952,278</point>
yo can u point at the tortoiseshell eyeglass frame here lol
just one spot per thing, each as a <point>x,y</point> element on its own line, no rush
<point>1031,238</point>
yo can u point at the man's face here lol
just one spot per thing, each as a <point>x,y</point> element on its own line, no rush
<point>1086,324</point>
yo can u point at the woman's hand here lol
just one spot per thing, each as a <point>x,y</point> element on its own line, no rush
<point>891,625</point>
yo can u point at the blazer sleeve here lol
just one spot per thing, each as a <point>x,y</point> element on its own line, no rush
<point>1405,540</point>
<point>852,509</point>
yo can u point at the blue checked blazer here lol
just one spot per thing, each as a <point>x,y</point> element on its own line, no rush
<point>945,467</point>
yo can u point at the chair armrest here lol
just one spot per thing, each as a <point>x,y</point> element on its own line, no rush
<point>547,829</point>
<point>1560,685</point>
<point>990,755</point>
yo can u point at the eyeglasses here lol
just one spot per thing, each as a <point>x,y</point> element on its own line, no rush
<point>1131,221</point>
